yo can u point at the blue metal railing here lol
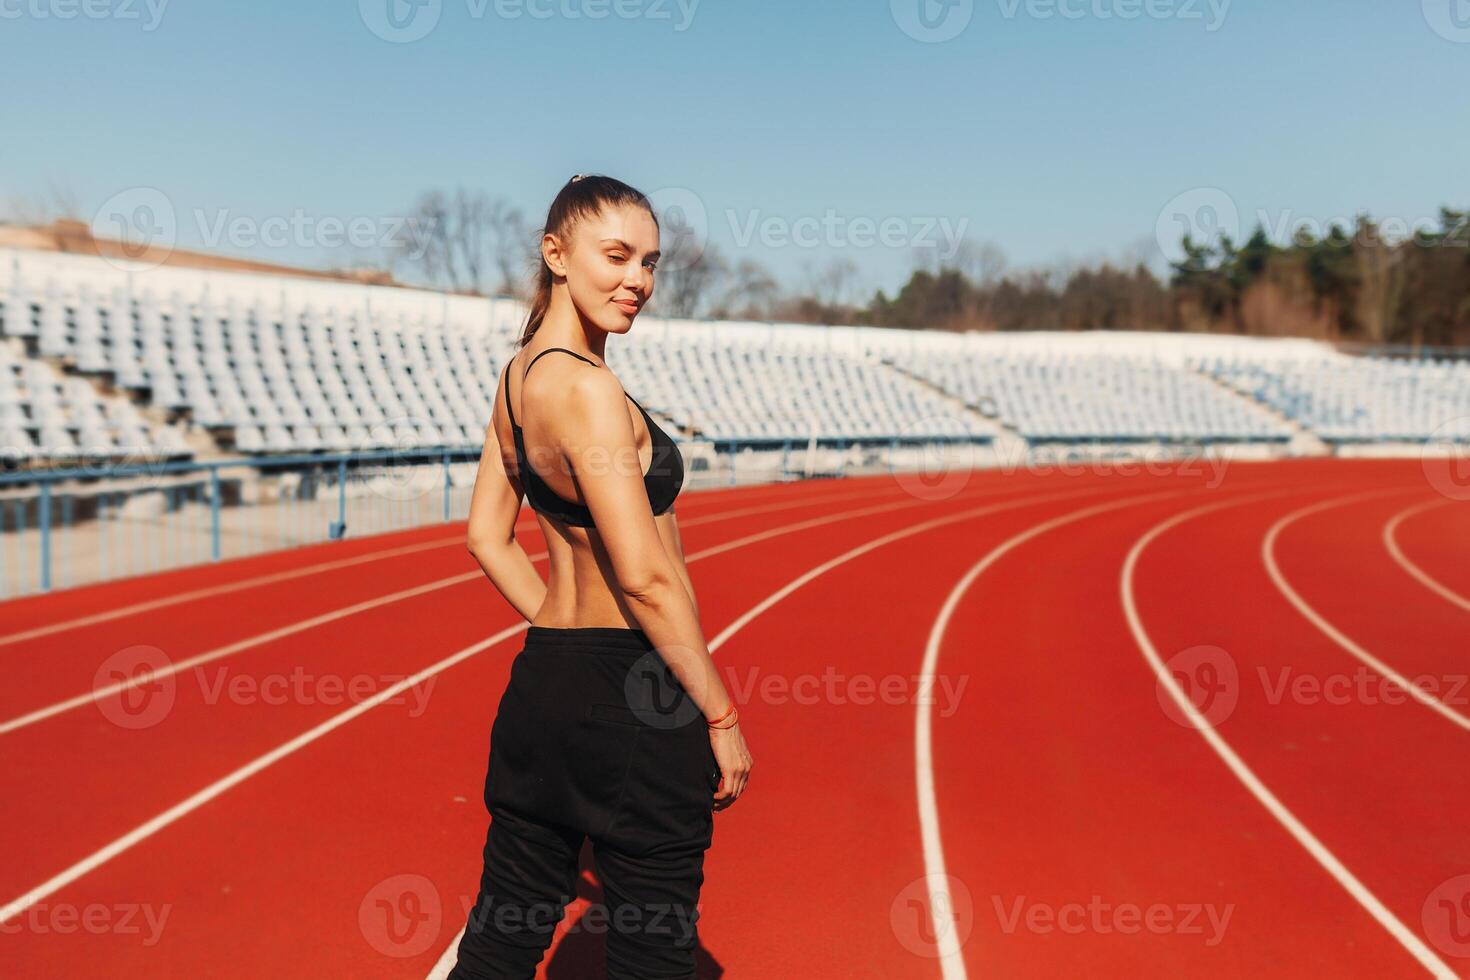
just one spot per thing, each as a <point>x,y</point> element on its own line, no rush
<point>65,527</point>
<point>61,528</point>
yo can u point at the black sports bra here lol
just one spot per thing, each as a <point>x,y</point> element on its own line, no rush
<point>663,481</point>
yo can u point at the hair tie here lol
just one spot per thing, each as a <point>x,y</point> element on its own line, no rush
<point>576,177</point>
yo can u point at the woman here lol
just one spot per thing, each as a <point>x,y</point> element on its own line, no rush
<point>615,725</point>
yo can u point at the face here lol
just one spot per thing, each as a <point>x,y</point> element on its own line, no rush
<point>608,264</point>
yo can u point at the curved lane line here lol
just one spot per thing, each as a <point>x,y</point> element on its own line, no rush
<point>446,962</point>
<point>1268,555</point>
<point>112,690</point>
<point>1390,541</point>
<point>1411,942</point>
<point>951,962</point>
<point>147,829</point>
<point>225,588</point>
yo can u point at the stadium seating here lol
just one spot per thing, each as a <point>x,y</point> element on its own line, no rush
<point>282,366</point>
<point>1046,396</point>
<point>1357,399</point>
<point>45,415</point>
<point>268,364</point>
<point>747,385</point>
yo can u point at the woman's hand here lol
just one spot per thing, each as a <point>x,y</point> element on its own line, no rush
<point>735,763</point>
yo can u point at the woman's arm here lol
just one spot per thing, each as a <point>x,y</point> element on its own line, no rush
<point>596,435</point>
<point>495,505</point>
<point>679,564</point>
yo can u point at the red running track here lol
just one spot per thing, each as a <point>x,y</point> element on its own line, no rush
<point>951,676</point>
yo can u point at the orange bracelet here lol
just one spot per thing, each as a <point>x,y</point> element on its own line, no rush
<point>716,722</point>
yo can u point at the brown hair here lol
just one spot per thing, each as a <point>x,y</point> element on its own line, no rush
<point>583,195</point>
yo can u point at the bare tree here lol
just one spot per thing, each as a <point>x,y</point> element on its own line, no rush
<point>1145,251</point>
<point>1380,285</point>
<point>693,278</point>
<point>459,239</point>
<point>1055,275</point>
<point>690,269</point>
<point>511,247</point>
<point>43,207</point>
<point>752,293</point>
<point>983,263</point>
<point>436,254</point>
<point>469,214</point>
<point>831,285</point>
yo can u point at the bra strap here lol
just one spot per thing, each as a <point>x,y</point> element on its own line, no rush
<point>548,351</point>
<point>505,383</point>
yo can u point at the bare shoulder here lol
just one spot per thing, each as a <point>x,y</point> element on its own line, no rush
<point>594,396</point>
<point>562,376</point>
<point>594,412</point>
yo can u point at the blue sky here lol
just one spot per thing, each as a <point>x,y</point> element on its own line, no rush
<point>1057,129</point>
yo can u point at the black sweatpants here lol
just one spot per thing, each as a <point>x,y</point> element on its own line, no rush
<point>594,738</point>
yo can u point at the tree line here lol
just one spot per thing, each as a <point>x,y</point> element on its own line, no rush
<point>1349,285</point>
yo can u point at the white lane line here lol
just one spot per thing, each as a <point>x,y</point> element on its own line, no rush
<point>879,542</point>
<point>176,812</point>
<point>300,626</point>
<point>1268,555</point>
<point>1390,541</point>
<point>951,961</point>
<point>1237,766</point>
<point>448,958</point>
<point>225,588</point>
<point>230,649</point>
<point>446,962</point>
<point>173,814</point>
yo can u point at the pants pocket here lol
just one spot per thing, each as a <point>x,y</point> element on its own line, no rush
<point>619,714</point>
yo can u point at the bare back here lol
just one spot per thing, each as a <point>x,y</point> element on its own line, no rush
<point>582,588</point>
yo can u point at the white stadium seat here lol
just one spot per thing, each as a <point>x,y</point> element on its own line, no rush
<point>272,364</point>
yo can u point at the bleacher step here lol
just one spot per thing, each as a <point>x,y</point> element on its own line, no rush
<point>1301,443</point>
